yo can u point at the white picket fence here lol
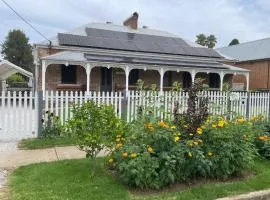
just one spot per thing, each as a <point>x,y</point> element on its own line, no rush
<point>19,119</point>
<point>17,115</point>
<point>61,102</point>
<point>128,106</point>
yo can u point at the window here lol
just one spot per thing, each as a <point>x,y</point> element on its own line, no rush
<point>69,74</point>
<point>133,77</point>
<point>167,79</point>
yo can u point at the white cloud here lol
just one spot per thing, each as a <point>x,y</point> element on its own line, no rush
<point>227,19</point>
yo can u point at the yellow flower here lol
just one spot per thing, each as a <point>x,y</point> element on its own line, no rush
<point>123,139</point>
<point>125,154</point>
<point>118,136</point>
<point>214,126</point>
<point>150,149</point>
<point>111,160</point>
<point>117,140</point>
<point>189,154</point>
<point>185,126</point>
<point>203,127</point>
<point>118,145</point>
<point>210,154</point>
<point>163,124</point>
<point>200,141</point>
<point>263,138</point>
<point>133,155</point>
<point>195,143</point>
<point>241,120</point>
<point>177,138</point>
<point>221,124</point>
<point>191,134</point>
<point>199,131</point>
<point>173,127</point>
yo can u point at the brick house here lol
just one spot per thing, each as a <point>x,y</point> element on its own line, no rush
<point>109,57</point>
<point>254,56</point>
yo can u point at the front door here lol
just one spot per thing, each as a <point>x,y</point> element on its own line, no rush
<point>106,79</point>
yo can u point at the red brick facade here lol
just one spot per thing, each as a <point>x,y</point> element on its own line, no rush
<point>54,76</point>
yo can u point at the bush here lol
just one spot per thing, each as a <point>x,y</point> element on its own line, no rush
<point>94,127</point>
<point>17,80</point>
<point>51,126</point>
<point>262,141</point>
<point>231,144</point>
<point>154,153</point>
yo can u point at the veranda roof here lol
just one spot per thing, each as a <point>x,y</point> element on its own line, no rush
<point>7,69</point>
<point>85,57</point>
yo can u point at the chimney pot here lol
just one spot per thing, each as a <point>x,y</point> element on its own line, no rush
<point>132,21</point>
<point>108,22</point>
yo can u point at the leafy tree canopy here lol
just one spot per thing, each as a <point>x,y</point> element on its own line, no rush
<point>208,41</point>
<point>234,42</point>
<point>16,49</point>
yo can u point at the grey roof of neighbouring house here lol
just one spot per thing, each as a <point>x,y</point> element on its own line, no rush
<point>254,50</point>
<point>115,37</point>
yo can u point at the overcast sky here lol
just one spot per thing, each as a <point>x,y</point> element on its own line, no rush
<point>227,19</point>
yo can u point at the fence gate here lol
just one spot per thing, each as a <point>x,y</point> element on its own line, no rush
<point>17,115</point>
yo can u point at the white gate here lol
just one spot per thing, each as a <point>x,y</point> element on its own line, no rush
<point>17,115</point>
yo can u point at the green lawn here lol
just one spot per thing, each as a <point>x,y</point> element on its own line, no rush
<point>41,143</point>
<point>71,179</point>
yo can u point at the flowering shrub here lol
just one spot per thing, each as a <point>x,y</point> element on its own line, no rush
<point>231,144</point>
<point>262,141</point>
<point>154,154</point>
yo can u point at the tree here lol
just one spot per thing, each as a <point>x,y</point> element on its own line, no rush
<point>201,39</point>
<point>234,42</point>
<point>209,41</point>
<point>16,49</point>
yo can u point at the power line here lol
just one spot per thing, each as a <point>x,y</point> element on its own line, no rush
<point>28,23</point>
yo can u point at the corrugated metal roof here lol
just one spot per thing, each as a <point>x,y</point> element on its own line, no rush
<point>85,57</point>
<point>254,50</point>
<point>106,39</point>
<point>114,27</point>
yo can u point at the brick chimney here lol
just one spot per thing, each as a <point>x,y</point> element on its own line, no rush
<point>132,21</point>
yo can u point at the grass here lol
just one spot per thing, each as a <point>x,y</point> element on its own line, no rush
<point>72,179</point>
<point>41,143</point>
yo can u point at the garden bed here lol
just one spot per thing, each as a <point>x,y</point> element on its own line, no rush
<point>72,180</point>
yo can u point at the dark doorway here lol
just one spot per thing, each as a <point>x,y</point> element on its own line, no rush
<point>68,74</point>
<point>186,80</point>
<point>106,79</point>
<point>214,80</point>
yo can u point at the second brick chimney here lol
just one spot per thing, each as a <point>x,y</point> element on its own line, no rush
<point>132,21</point>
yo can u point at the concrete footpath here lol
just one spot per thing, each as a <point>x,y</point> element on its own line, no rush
<point>12,157</point>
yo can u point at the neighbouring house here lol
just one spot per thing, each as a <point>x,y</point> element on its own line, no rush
<point>7,69</point>
<point>254,56</point>
<point>109,57</point>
